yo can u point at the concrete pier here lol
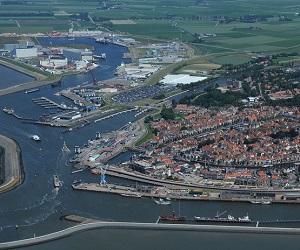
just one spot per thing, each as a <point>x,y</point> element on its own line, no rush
<point>147,226</point>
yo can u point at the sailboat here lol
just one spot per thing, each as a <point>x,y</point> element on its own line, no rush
<point>173,217</point>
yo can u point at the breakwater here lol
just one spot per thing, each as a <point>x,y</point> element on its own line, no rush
<point>146,226</point>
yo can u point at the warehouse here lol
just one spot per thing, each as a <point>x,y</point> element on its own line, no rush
<point>181,79</point>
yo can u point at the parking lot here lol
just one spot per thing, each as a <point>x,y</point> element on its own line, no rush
<point>143,92</point>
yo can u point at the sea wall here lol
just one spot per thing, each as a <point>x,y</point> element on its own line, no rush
<point>147,226</point>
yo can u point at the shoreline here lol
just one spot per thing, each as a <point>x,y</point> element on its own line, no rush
<point>13,168</point>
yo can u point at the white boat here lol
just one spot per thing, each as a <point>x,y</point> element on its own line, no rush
<point>134,195</point>
<point>35,138</point>
<point>244,219</point>
<point>56,181</point>
<point>266,202</point>
<point>255,202</point>
<point>162,201</point>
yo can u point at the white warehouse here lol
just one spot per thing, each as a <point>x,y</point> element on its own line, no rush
<point>24,52</point>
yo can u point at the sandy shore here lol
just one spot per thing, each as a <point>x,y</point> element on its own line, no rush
<point>11,166</point>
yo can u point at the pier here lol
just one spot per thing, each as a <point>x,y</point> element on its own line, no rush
<point>48,104</point>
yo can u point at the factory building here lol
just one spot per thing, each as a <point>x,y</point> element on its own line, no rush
<point>24,52</point>
<point>78,55</point>
<point>56,61</point>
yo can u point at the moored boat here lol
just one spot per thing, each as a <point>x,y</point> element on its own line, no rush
<point>172,218</point>
<point>218,219</point>
<point>266,202</point>
<point>255,202</point>
<point>162,201</point>
<point>133,195</point>
<point>55,84</point>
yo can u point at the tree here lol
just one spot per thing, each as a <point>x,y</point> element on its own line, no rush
<point>167,113</point>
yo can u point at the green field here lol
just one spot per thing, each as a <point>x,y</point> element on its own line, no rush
<point>170,20</point>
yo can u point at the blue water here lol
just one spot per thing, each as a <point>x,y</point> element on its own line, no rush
<point>36,206</point>
<point>6,79</point>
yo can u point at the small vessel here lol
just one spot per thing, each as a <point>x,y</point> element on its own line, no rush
<point>133,195</point>
<point>55,84</point>
<point>35,138</point>
<point>245,219</point>
<point>162,201</point>
<point>95,171</point>
<point>172,218</point>
<point>255,202</point>
<point>65,148</point>
<point>56,181</point>
<point>31,90</point>
<point>8,110</point>
<point>266,202</point>
<point>102,56</point>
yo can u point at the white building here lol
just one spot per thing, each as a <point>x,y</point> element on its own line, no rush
<point>54,62</point>
<point>24,52</point>
<point>181,79</point>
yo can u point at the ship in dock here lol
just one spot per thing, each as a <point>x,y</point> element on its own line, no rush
<point>172,218</point>
<point>228,219</point>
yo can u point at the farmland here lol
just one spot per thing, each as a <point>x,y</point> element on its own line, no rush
<point>234,27</point>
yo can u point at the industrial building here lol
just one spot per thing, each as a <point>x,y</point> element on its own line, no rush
<point>78,55</point>
<point>56,61</point>
<point>24,53</point>
<point>181,79</point>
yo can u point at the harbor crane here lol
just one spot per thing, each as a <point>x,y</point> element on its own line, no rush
<point>94,78</point>
<point>102,175</point>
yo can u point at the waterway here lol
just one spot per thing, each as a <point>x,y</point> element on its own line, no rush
<point>36,206</point>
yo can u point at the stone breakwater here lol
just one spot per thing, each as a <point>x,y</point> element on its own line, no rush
<point>147,226</point>
<point>11,167</point>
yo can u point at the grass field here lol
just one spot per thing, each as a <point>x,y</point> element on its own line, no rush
<point>170,20</point>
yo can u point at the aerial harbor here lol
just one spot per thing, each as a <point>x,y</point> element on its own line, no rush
<point>178,121</point>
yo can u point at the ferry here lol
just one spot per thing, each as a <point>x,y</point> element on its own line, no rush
<point>56,181</point>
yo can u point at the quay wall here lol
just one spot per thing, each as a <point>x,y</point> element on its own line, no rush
<point>147,226</point>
